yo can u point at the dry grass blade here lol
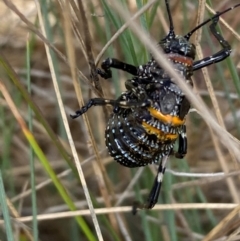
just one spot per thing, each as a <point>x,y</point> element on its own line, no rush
<point>88,46</point>
<point>236,35</point>
<point>231,185</point>
<point>222,224</point>
<point>222,161</point>
<point>40,35</point>
<point>205,180</point>
<point>164,207</point>
<point>22,124</point>
<point>195,188</point>
<point>99,169</point>
<point>64,118</point>
<point>33,28</point>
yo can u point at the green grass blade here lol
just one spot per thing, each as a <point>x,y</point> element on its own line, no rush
<point>31,153</point>
<point>4,208</point>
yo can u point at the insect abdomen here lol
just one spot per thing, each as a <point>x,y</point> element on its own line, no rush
<point>136,138</point>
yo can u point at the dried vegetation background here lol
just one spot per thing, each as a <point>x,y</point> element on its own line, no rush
<point>190,208</point>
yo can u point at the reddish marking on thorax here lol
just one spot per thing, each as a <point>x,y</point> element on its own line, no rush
<point>180,59</point>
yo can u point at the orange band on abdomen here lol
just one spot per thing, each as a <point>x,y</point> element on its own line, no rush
<point>160,134</point>
<point>168,119</point>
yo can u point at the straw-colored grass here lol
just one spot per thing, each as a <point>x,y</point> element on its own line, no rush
<point>59,181</point>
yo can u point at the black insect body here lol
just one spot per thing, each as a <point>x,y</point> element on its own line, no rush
<point>149,116</point>
<point>146,132</point>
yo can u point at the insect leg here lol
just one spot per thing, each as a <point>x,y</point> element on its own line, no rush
<point>154,194</point>
<point>115,103</point>
<point>182,146</point>
<point>108,63</point>
<point>92,102</point>
<point>219,56</point>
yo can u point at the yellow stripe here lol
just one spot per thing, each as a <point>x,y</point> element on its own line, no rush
<point>160,134</point>
<point>172,120</point>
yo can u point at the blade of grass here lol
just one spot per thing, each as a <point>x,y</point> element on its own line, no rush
<point>169,215</point>
<point>4,208</point>
<point>16,81</point>
<point>49,34</point>
<point>123,28</point>
<point>42,158</point>
<point>230,182</point>
<point>81,222</point>
<point>31,152</point>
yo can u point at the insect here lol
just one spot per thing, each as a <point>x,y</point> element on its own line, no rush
<point>149,117</point>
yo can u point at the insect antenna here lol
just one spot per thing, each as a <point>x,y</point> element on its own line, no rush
<point>171,33</point>
<point>188,35</point>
